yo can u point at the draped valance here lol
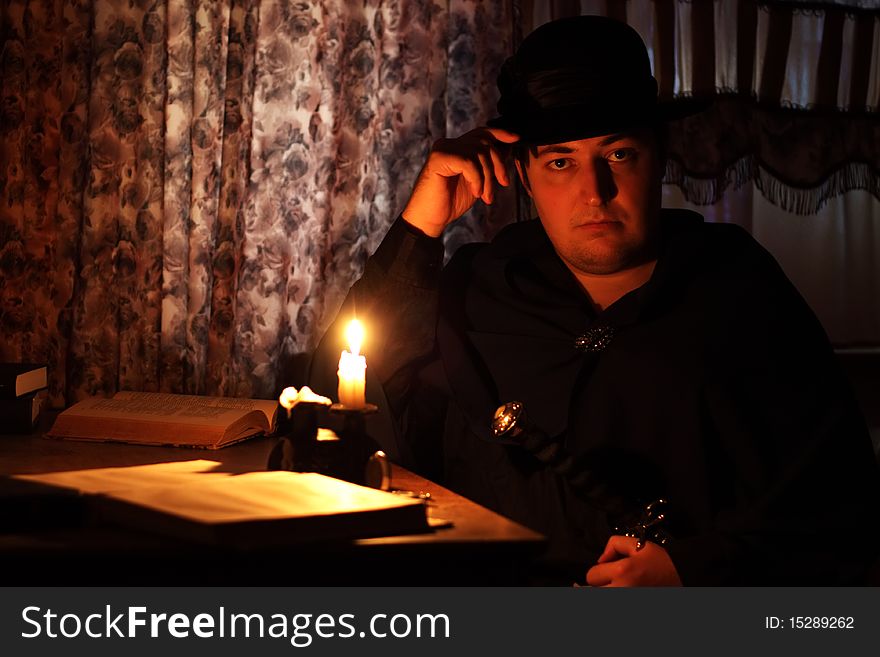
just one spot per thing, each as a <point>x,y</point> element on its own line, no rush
<point>796,90</point>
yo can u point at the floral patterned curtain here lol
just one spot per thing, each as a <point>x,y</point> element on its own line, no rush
<point>188,187</point>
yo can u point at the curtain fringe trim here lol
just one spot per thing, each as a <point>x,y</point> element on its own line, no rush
<point>802,201</point>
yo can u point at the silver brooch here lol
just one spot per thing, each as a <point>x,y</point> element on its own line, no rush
<point>594,339</point>
<point>506,418</point>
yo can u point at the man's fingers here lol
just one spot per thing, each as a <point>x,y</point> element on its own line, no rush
<point>470,167</point>
<point>618,547</point>
<point>492,143</point>
<point>478,157</point>
<point>600,575</point>
<point>499,168</point>
<point>488,177</point>
<point>503,135</point>
<point>624,565</point>
<point>458,171</point>
<point>472,174</point>
<point>499,152</point>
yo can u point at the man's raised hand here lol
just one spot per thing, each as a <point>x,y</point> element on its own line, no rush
<point>622,564</point>
<point>458,172</point>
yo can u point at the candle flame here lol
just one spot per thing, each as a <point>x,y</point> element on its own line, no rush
<point>354,333</point>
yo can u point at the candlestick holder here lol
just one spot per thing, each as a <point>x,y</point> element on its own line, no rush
<point>362,462</point>
<point>297,431</point>
<point>307,444</point>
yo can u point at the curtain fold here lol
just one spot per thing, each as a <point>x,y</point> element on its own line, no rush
<point>188,187</point>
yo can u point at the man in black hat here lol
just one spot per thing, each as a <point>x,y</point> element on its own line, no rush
<point>668,409</point>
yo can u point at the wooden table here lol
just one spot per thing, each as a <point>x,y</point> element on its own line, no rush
<point>480,547</point>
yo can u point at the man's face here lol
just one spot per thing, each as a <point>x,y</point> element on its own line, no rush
<point>599,199</point>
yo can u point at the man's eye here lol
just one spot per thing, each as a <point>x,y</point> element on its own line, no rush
<point>559,164</point>
<point>621,155</point>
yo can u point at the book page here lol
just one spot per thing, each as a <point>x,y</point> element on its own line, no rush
<point>109,480</point>
<point>159,419</point>
<point>158,403</point>
<point>156,407</point>
<point>191,490</point>
<point>189,500</point>
<point>262,496</point>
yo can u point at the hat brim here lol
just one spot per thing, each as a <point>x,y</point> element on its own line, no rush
<point>571,123</point>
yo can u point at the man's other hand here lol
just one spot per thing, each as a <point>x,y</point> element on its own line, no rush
<point>457,173</point>
<point>622,565</point>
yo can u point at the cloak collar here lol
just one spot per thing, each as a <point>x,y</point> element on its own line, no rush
<point>512,312</point>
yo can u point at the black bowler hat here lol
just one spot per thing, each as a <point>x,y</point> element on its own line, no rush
<point>581,77</point>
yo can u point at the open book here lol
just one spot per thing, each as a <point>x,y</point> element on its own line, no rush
<point>155,418</point>
<point>188,500</point>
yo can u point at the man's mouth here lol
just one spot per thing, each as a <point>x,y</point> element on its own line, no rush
<point>595,223</point>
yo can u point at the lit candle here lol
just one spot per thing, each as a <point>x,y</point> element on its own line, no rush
<point>352,368</point>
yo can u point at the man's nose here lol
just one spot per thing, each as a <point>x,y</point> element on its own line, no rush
<point>596,183</point>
